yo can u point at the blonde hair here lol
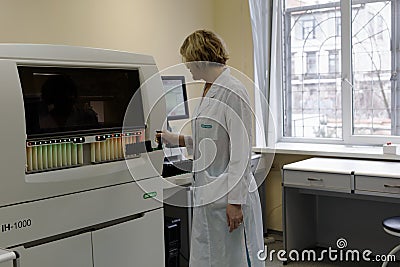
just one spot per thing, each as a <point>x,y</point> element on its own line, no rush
<point>203,45</point>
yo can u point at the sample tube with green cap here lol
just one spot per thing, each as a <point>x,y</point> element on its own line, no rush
<point>29,158</point>
<point>55,155</point>
<point>50,155</point>
<point>40,157</point>
<point>60,153</point>
<point>80,153</point>
<point>74,154</point>
<point>98,151</point>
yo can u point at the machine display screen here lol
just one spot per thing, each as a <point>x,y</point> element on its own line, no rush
<point>176,97</point>
<point>64,101</point>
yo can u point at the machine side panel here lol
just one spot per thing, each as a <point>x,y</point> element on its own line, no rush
<point>12,142</point>
<point>153,102</point>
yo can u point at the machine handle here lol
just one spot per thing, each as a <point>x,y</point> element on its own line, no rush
<point>315,179</point>
<point>6,255</point>
<point>391,186</point>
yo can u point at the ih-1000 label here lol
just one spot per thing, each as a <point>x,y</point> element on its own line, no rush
<point>16,225</point>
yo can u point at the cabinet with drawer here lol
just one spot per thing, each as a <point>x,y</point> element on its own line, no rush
<point>373,185</point>
<point>325,199</point>
<point>317,180</point>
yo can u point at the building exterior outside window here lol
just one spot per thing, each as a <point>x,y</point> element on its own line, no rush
<point>333,61</point>
<point>311,62</point>
<point>309,29</point>
<point>314,93</point>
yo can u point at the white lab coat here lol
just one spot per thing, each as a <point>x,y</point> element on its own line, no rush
<point>221,146</point>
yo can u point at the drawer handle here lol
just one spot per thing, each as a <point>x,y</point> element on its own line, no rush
<point>315,179</point>
<point>391,186</point>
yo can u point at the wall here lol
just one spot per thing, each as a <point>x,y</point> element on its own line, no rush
<point>144,26</point>
<point>273,185</point>
<point>232,23</point>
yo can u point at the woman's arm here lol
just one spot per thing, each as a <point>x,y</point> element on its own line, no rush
<point>172,139</point>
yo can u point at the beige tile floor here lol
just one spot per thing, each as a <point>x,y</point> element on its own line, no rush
<point>278,244</point>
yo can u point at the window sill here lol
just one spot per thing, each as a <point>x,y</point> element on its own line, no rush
<point>328,150</point>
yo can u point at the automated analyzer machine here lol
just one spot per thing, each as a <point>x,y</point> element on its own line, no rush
<point>71,193</point>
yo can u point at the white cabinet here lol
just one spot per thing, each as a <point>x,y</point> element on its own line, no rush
<point>139,242</point>
<point>320,174</point>
<point>114,226</point>
<point>325,199</point>
<point>375,185</point>
<point>6,264</point>
<point>317,180</point>
<point>72,251</point>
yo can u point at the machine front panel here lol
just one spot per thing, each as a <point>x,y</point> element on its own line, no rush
<point>37,220</point>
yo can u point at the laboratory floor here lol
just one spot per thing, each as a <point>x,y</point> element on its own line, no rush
<point>277,244</point>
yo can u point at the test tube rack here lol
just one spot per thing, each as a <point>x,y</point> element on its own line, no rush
<point>110,147</point>
<point>54,154</point>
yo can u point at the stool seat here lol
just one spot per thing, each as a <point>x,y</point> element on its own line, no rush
<point>392,224</point>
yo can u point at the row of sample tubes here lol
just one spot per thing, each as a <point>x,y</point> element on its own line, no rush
<point>53,154</point>
<point>111,146</point>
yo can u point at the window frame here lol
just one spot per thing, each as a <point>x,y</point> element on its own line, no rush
<point>348,138</point>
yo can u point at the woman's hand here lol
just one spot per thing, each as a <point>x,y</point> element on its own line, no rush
<point>169,138</point>
<point>234,216</point>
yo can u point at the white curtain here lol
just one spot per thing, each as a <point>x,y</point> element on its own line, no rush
<point>266,22</point>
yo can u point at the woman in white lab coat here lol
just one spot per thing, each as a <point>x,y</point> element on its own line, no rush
<point>227,223</point>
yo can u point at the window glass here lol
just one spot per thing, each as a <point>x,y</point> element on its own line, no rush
<point>312,89</point>
<point>372,69</point>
